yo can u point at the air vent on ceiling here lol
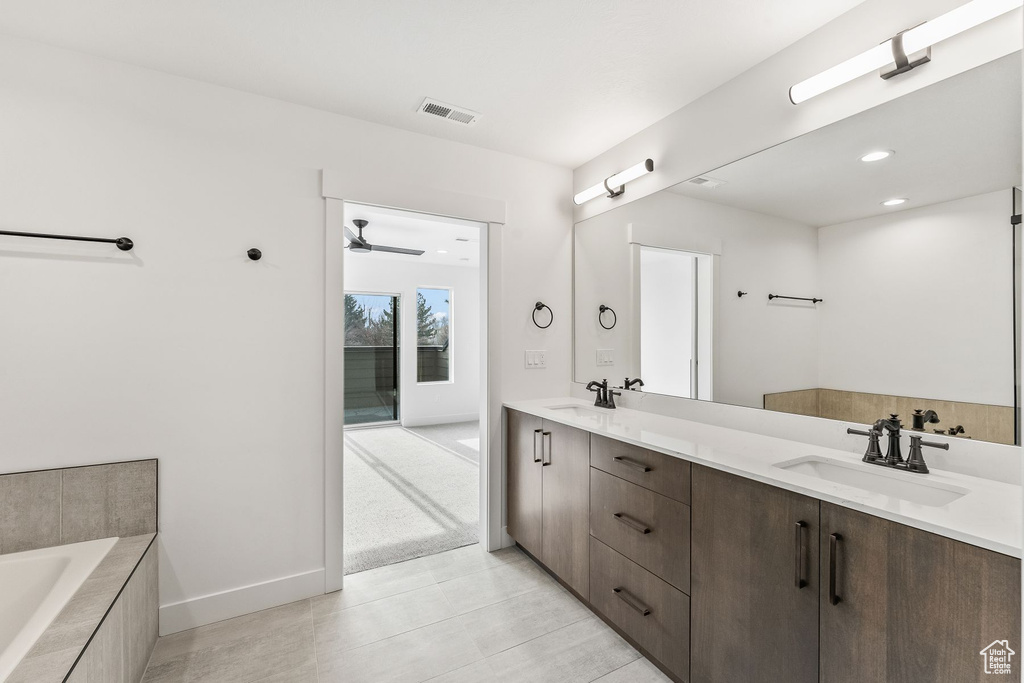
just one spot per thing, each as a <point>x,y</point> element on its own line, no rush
<point>707,182</point>
<point>449,112</point>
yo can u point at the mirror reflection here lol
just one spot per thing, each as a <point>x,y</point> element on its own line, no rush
<point>863,269</point>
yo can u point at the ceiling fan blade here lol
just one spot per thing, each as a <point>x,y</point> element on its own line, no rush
<point>351,235</point>
<point>398,250</point>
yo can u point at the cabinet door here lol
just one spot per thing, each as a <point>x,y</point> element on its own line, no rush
<point>909,605</point>
<point>524,480</point>
<point>566,494</point>
<point>754,581</point>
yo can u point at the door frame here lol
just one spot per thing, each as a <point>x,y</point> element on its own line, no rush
<point>337,188</point>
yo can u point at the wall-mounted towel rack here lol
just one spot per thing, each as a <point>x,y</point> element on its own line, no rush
<point>123,243</point>
<point>540,306</point>
<point>794,298</point>
<point>601,310</point>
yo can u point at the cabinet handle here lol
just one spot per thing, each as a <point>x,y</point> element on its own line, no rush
<point>833,551</point>
<point>628,462</point>
<point>536,433</point>
<point>632,523</point>
<point>640,607</point>
<point>798,577</point>
<point>545,451</point>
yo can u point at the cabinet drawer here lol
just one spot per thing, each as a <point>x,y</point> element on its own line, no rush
<point>650,611</point>
<point>658,472</point>
<point>646,527</point>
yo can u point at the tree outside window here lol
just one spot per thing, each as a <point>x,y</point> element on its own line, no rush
<point>433,335</point>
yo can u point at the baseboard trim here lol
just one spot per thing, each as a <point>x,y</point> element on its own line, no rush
<point>439,420</point>
<point>207,609</point>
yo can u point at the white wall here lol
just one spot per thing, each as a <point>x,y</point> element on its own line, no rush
<point>185,350</point>
<point>433,403</point>
<point>760,347</point>
<point>904,316</point>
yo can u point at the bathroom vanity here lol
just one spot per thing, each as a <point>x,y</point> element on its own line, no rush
<point>724,558</point>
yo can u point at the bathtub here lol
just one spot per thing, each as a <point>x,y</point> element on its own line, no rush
<point>34,587</point>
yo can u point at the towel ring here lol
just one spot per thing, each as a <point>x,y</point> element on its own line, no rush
<point>600,320</point>
<point>540,305</point>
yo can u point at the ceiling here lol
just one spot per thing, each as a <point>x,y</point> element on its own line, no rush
<point>556,80</point>
<point>958,138</point>
<point>459,239</point>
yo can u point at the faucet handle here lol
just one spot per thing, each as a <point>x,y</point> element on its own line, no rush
<point>915,460</point>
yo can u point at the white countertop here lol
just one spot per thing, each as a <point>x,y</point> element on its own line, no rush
<point>988,516</point>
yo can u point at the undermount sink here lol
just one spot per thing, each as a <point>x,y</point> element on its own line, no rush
<point>580,411</point>
<point>913,488</point>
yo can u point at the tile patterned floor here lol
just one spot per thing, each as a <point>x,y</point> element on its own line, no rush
<point>463,616</point>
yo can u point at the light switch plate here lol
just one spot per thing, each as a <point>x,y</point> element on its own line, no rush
<point>606,356</point>
<point>536,360</point>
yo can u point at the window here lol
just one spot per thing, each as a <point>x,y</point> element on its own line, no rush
<point>433,335</point>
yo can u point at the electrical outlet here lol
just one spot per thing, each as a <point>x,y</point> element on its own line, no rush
<point>606,356</point>
<point>536,360</point>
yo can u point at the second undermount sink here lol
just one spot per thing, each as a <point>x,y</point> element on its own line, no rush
<point>580,411</point>
<point>913,488</point>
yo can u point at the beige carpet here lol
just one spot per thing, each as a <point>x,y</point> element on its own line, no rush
<point>405,497</point>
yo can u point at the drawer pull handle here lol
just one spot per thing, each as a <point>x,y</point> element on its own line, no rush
<point>632,602</point>
<point>545,450</point>
<point>833,552</point>
<point>536,433</point>
<point>632,523</point>
<point>628,462</point>
<point>799,574</point>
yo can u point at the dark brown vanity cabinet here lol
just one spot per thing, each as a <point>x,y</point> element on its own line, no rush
<point>549,495</point>
<point>754,581</point>
<point>901,605</point>
<point>525,475</point>
<point>723,579</point>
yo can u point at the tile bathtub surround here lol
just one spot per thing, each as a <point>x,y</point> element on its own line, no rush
<point>54,507</point>
<point>55,653</point>
<point>463,616</point>
<point>29,511</point>
<point>102,501</point>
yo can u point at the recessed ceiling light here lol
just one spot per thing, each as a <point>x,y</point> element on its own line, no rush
<point>896,201</point>
<point>442,251</point>
<point>877,155</point>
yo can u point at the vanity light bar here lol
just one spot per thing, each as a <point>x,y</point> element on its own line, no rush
<point>615,185</point>
<point>897,48</point>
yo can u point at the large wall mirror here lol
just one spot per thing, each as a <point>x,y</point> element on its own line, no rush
<point>891,231</point>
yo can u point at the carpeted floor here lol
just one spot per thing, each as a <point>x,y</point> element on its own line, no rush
<point>409,493</point>
<point>461,437</point>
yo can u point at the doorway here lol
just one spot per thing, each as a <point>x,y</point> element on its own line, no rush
<point>676,322</point>
<point>412,386</point>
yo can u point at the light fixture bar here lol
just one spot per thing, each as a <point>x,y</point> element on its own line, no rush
<point>616,184</point>
<point>914,40</point>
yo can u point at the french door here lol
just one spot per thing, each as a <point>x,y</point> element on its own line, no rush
<point>371,358</point>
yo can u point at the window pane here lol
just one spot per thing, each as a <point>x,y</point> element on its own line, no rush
<point>433,329</point>
<point>371,358</point>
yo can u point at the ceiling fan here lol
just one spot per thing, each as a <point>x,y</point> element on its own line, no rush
<point>361,246</point>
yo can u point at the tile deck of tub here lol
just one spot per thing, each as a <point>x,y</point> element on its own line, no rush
<point>457,617</point>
